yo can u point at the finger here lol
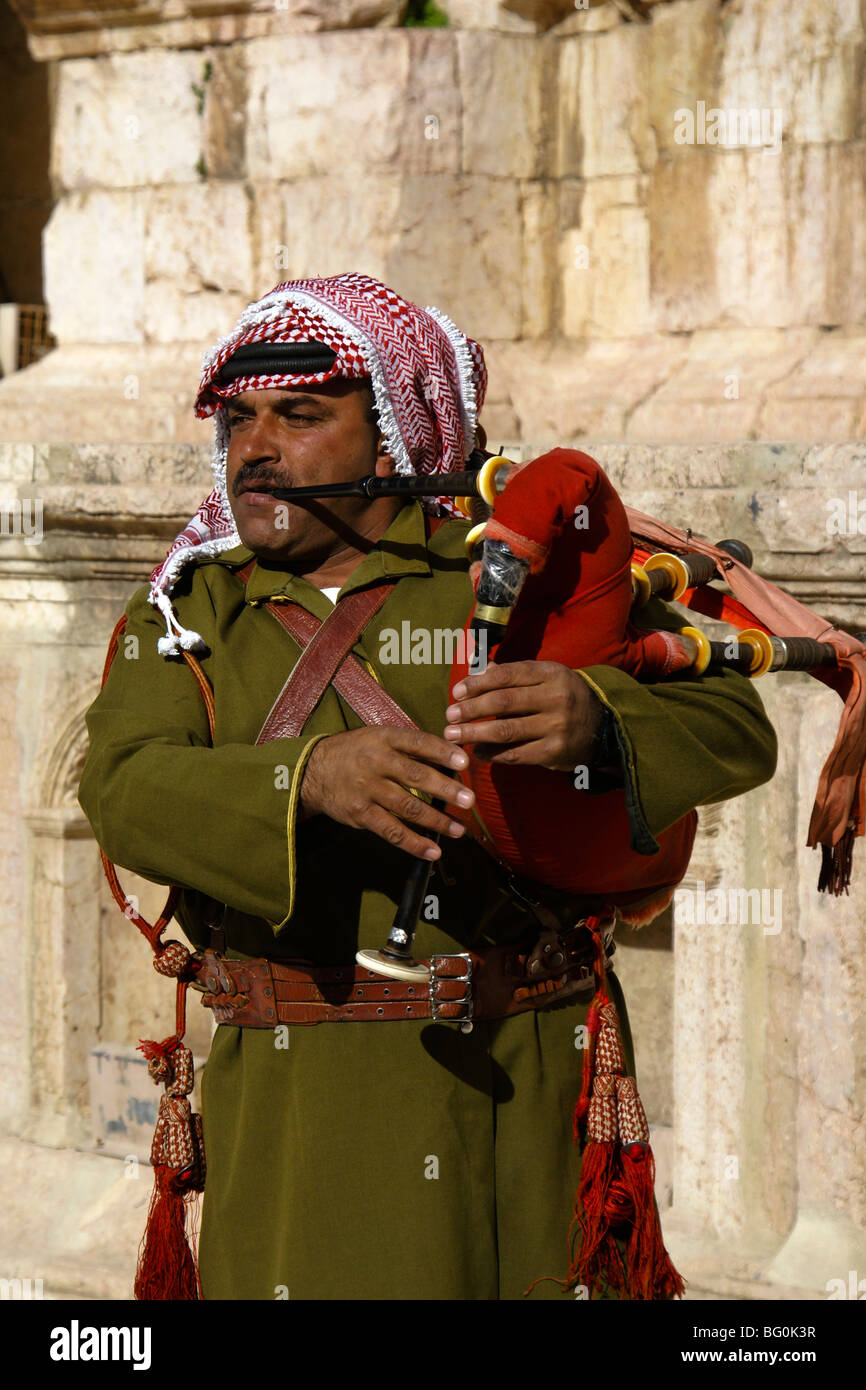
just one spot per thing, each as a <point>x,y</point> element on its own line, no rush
<point>395,833</point>
<point>496,676</point>
<point>427,747</point>
<point>407,773</point>
<point>500,731</point>
<point>507,700</point>
<point>412,809</point>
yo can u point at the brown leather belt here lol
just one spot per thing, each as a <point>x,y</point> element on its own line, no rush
<point>465,987</point>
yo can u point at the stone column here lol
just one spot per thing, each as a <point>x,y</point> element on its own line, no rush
<point>734,1055</point>
<point>76,974</point>
<point>63,969</point>
<point>827,1027</point>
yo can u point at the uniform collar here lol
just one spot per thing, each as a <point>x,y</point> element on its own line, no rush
<point>401,550</point>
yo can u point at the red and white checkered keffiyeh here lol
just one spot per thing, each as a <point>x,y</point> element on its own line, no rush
<point>428,379</point>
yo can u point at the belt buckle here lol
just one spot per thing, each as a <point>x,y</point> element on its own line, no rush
<point>465,1024</point>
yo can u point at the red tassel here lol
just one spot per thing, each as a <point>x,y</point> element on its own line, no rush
<point>167,1266</point>
<point>167,1262</point>
<point>598,1260</point>
<point>615,1194</point>
<point>617,1177</point>
<point>649,1269</point>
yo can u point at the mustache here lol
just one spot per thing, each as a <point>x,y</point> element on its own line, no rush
<point>253,480</point>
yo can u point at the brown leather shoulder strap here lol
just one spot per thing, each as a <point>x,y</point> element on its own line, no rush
<point>328,649</point>
<point>361,691</point>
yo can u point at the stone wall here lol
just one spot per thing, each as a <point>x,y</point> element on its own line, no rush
<point>631,278</point>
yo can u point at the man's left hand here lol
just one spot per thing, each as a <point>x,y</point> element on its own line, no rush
<point>528,712</point>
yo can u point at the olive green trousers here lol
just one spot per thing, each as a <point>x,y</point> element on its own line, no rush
<point>399,1160</point>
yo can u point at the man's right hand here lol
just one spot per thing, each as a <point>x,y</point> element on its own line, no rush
<point>362,778</point>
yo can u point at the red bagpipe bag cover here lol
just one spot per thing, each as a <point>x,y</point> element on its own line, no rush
<point>563,514</point>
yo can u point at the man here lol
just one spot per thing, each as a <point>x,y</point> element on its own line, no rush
<point>413,1160</point>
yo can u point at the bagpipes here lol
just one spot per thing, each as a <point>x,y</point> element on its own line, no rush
<point>561,568</point>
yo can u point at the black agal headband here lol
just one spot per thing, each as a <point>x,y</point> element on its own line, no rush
<point>276,359</point>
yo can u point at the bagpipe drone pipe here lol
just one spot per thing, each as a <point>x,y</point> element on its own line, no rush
<point>561,570</point>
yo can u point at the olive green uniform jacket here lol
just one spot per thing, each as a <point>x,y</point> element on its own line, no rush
<point>370,1160</point>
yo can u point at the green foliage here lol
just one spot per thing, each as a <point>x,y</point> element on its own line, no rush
<point>424,14</point>
<point>199,90</point>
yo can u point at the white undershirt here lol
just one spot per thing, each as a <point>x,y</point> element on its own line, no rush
<point>332,593</point>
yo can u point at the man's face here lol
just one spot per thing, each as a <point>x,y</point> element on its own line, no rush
<point>296,436</point>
